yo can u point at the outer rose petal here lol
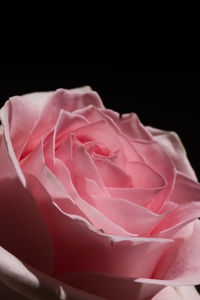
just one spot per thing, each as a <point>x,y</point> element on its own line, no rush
<point>21,223</point>
<point>19,281</point>
<point>180,265</point>
<point>172,145</point>
<point>185,268</point>
<point>112,288</point>
<point>178,293</point>
<point>186,195</point>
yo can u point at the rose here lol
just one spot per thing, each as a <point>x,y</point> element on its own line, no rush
<point>93,204</point>
<point>98,202</point>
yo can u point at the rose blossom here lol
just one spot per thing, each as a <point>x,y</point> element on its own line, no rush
<point>94,206</point>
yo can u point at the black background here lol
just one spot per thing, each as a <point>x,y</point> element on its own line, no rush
<point>143,59</point>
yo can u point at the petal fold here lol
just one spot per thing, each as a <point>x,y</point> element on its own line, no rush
<point>173,146</point>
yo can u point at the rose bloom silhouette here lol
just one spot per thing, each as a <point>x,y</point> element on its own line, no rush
<point>94,205</point>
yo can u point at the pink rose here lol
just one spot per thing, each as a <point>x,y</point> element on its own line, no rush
<point>92,205</point>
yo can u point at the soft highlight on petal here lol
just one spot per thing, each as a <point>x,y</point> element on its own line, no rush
<point>178,293</point>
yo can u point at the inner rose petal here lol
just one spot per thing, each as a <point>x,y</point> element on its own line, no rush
<point>94,114</point>
<point>159,161</point>
<point>129,216</point>
<point>81,165</point>
<point>67,122</point>
<point>144,176</point>
<point>112,175</point>
<point>140,196</point>
<point>98,132</point>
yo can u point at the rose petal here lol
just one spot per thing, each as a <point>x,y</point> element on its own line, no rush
<point>188,246</point>
<point>172,145</point>
<point>96,132</point>
<point>112,175</point>
<point>83,178</point>
<point>110,287</point>
<point>25,229</point>
<point>130,125</point>
<point>64,152</point>
<point>83,89</point>
<point>153,154</point>
<point>129,216</point>
<point>99,252</point>
<point>34,164</point>
<point>67,122</point>
<point>29,107</point>
<point>127,152</point>
<point>186,194</point>
<point>86,211</point>
<point>21,281</point>
<point>94,114</point>
<point>112,118</point>
<point>82,166</point>
<point>178,293</point>
<point>68,200</point>
<point>60,99</point>
<point>64,127</point>
<point>133,128</point>
<point>139,196</point>
<point>144,176</point>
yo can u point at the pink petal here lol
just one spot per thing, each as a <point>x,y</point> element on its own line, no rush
<point>22,228</point>
<point>178,293</point>
<point>34,164</point>
<point>32,107</point>
<point>186,195</point>
<point>67,122</point>
<point>136,195</point>
<point>98,132</point>
<point>130,125</point>
<point>83,208</point>
<point>64,152</point>
<point>128,152</point>
<point>94,250</point>
<point>94,114</point>
<point>83,173</point>
<point>129,216</point>
<point>20,281</point>
<point>59,100</point>
<point>144,176</point>
<point>112,175</point>
<point>83,89</point>
<point>22,108</point>
<point>185,268</point>
<point>82,166</point>
<point>111,287</point>
<point>172,145</point>
<point>86,186</point>
<point>154,155</point>
<point>133,128</point>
